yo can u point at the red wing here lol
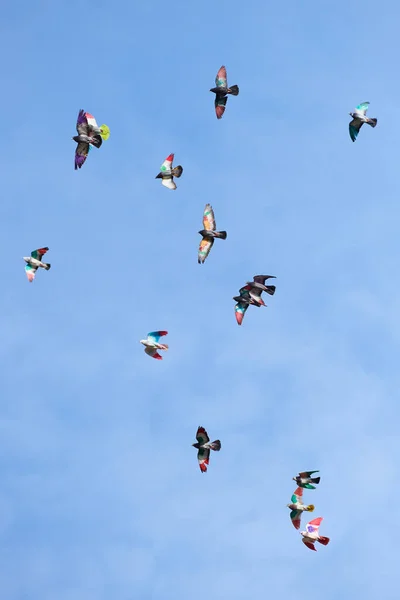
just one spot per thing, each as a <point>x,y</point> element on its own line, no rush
<point>309,545</point>
<point>316,522</point>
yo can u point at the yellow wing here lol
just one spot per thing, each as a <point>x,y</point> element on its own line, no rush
<point>204,249</point>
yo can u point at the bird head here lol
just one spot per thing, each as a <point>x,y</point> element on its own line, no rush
<point>26,258</point>
<point>76,139</point>
<point>202,232</point>
<point>143,342</point>
<point>351,114</point>
<point>196,445</point>
<point>215,90</point>
<point>294,478</point>
<point>159,176</point>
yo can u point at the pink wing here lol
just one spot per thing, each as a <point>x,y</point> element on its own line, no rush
<point>316,522</point>
<point>30,275</point>
<point>309,545</point>
<point>298,493</point>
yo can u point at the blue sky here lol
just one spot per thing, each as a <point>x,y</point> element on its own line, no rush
<point>101,496</point>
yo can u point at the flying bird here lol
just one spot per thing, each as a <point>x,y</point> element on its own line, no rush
<point>359,118</point>
<point>152,344</point>
<point>221,90</point>
<point>304,479</point>
<point>89,134</point>
<point>167,173</point>
<point>257,286</point>
<point>204,446</point>
<point>208,234</point>
<point>243,302</point>
<point>34,261</point>
<point>311,534</point>
<point>297,507</point>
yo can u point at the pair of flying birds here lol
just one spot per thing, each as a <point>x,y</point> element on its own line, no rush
<point>251,294</point>
<point>311,533</point>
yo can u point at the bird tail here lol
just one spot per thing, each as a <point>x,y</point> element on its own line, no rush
<point>324,540</point>
<point>221,234</point>
<point>164,347</point>
<point>177,171</point>
<point>310,508</point>
<point>47,266</point>
<point>234,90</point>
<point>270,289</point>
<point>216,445</point>
<point>315,479</point>
<point>372,122</point>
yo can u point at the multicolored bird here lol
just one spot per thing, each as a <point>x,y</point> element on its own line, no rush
<point>89,134</point>
<point>204,446</point>
<point>34,261</point>
<point>221,90</point>
<point>311,534</point>
<point>359,118</point>
<point>208,234</point>
<point>297,507</point>
<point>167,173</point>
<point>152,345</point>
<point>304,479</point>
<point>243,302</point>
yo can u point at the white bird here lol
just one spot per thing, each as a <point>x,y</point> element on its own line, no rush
<point>152,344</point>
<point>34,261</point>
<point>311,534</point>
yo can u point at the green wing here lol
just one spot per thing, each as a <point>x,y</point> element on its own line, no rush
<point>363,107</point>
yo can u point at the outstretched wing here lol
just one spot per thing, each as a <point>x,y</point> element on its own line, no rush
<point>240,310</point>
<point>313,525</point>
<point>305,474</point>
<point>153,353</point>
<point>30,272</point>
<point>91,121</point>
<point>167,164</point>
<point>82,124</point>
<point>220,104</point>
<point>262,278</point>
<point>81,154</point>
<point>295,516</point>
<point>209,218</point>
<point>362,108</point>
<point>308,544</point>
<point>221,79</point>
<point>203,456</point>
<point>169,183</point>
<point>39,253</point>
<point>297,495</point>
<point>202,436</point>
<point>354,127</point>
<point>204,249</point>
<point>154,336</point>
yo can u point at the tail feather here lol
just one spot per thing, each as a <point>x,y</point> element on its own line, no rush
<point>310,508</point>
<point>165,347</point>
<point>372,122</point>
<point>177,171</point>
<point>221,234</point>
<point>47,266</point>
<point>324,540</point>
<point>216,445</point>
<point>270,289</point>
<point>315,479</point>
<point>234,90</point>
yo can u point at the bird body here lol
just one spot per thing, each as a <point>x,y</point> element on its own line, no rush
<point>204,446</point>
<point>297,507</point>
<point>359,118</point>
<point>304,479</point>
<point>168,172</point>
<point>221,90</point>
<point>152,344</point>
<point>34,262</point>
<point>311,534</point>
<point>89,134</point>
<point>208,234</point>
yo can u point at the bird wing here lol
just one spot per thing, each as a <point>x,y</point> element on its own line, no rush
<point>295,516</point>
<point>297,495</point>
<point>167,164</point>
<point>154,336</point>
<point>240,310</point>
<point>153,353</point>
<point>220,104</point>
<point>169,183</point>
<point>82,124</point>
<point>245,291</point>
<point>209,218</point>
<point>221,79</point>
<point>308,544</point>
<point>362,108</point>
<point>81,153</point>
<point>354,127</point>
<point>202,436</point>
<point>91,121</point>
<point>262,278</point>
<point>305,474</point>
<point>204,249</point>
<point>39,253</point>
<point>30,272</point>
<point>313,525</point>
<point>203,456</point>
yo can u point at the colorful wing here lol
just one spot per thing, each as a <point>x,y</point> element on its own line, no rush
<point>208,218</point>
<point>91,121</point>
<point>313,525</point>
<point>354,127</point>
<point>245,291</point>
<point>297,496</point>
<point>362,108</point>
<point>202,436</point>
<point>308,544</point>
<point>167,164</point>
<point>169,183</point>
<point>154,336</point>
<point>82,124</point>
<point>30,272</point>
<point>203,456</point>
<point>220,104</point>
<point>305,474</point>
<point>39,253</point>
<point>240,310</point>
<point>295,516</point>
<point>153,353</point>
<point>221,79</point>
<point>204,249</point>
<point>81,154</point>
